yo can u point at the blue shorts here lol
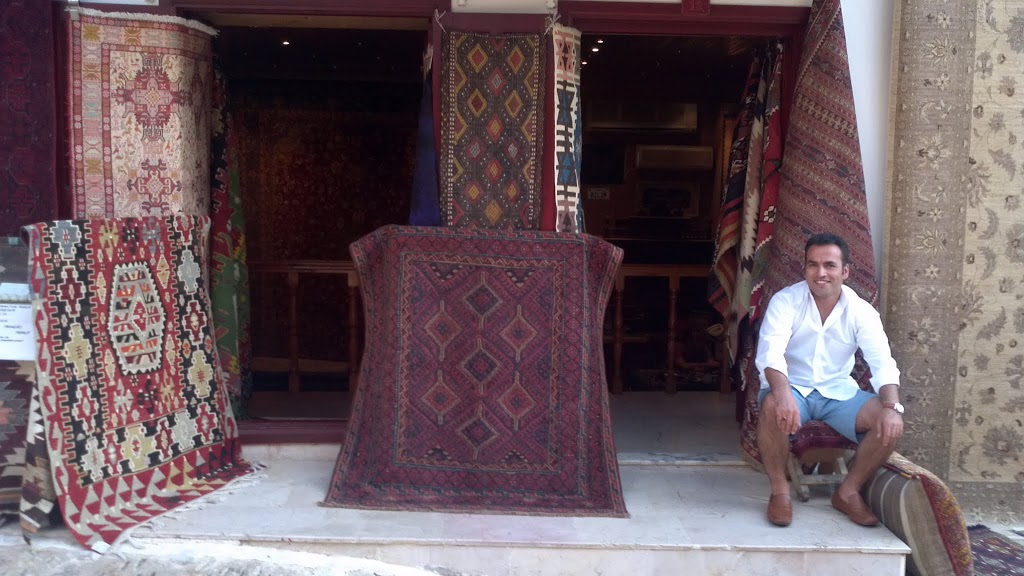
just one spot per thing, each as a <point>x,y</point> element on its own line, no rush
<point>839,414</point>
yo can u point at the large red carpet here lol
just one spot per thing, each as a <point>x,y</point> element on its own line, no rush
<point>483,386</point>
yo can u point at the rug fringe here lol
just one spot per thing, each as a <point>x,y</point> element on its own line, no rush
<point>150,18</point>
<point>248,480</point>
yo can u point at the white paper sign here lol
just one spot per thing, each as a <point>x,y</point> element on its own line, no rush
<point>17,339</point>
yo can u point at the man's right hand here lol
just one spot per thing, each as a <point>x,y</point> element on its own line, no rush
<point>787,414</point>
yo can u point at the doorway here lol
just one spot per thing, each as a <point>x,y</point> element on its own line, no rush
<point>324,121</point>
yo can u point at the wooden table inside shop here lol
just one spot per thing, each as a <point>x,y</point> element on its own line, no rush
<point>674,273</point>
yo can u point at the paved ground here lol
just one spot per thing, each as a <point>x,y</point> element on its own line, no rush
<point>55,553</point>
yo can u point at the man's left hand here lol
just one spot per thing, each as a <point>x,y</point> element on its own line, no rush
<point>890,427</point>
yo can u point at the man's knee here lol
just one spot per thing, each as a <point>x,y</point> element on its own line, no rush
<point>768,405</point>
<point>870,415</point>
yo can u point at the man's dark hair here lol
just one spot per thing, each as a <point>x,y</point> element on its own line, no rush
<point>828,240</point>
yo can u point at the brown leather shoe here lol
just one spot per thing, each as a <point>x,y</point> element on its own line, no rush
<point>780,509</point>
<point>856,509</point>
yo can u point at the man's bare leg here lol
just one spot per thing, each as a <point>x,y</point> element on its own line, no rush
<point>774,446</point>
<point>870,455</point>
<point>773,443</point>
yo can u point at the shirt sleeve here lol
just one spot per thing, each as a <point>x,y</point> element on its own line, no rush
<point>776,330</point>
<point>874,344</point>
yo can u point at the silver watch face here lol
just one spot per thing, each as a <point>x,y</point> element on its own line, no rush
<point>898,408</point>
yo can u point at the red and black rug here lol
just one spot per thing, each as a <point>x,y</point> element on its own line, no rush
<point>483,386</point>
<point>129,415</point>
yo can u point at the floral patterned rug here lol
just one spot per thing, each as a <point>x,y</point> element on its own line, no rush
<point>954,295</point>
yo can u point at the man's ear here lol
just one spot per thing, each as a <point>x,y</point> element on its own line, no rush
<point>846,271</point>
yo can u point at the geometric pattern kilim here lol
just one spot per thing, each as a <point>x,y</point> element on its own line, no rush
<point>15,390</point>
<point>568,130</point>
<point>139,96</point>
<point>129,398</point>
<point>492,111</point>
<point>483,384</point>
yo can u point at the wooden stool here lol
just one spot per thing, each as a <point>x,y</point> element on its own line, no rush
<point>831,458</point>
<point>818,446</point>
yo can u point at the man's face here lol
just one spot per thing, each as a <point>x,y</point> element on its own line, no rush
<point>824,271</point>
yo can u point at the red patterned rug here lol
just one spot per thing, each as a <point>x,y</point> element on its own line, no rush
<point>129,392</point>
<point>483,385</point>
<point>822,188</point>
<point>492,113</point>
<point>28,105</point>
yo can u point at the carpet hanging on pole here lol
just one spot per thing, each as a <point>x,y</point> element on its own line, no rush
<point>483,386</point>
<point>568,129</point>
<point>140,91</point>
<point>129,408</point>
<point>492,111</point>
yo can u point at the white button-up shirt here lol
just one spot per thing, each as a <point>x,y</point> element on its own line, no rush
<point>819,356</point>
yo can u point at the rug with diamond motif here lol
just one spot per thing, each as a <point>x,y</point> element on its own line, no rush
<point>492,115</point>
<point>483,386</point>
<point>129,392</point>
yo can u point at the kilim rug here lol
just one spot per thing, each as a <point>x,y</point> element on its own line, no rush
<point>751,193</point>
<point>16,380</point>
<point>229,275</point>
<point>568,129</point>
<point>822,187</point>
<point>28,105</point>
<point>483,385</point>
<point>140,92</point>
<point>129,396</point>
<point>995,554</point>
<point>722,280</point>
<point>492,111</point>
<point>954,299</point>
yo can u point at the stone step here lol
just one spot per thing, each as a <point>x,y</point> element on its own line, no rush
<point>699,520</point>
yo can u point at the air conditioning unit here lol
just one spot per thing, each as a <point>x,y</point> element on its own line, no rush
<point>641,115</point>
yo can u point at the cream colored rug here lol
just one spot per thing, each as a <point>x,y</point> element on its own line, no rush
<point>954,260</point>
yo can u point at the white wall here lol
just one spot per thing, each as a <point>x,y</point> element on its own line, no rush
<point>869,41</point>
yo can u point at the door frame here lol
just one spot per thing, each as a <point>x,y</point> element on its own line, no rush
<point>626,18</point>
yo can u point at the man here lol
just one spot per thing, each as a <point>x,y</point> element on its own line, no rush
<point>809,335</point>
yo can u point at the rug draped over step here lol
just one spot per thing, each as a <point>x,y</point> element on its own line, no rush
<point>483,386</point>
<point>129,416</point>
<point>492,116</point>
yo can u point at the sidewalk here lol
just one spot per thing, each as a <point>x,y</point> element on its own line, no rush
<point>55,552</point>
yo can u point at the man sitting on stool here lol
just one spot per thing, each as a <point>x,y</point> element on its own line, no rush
<point>809,335</point>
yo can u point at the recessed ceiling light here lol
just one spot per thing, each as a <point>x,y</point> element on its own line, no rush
<point>584,62</point>
<point>595,49</point>
<point>285,43</point>
<point>600,41</point>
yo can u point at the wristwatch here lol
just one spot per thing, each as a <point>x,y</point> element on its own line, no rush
<point>895,406</point>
